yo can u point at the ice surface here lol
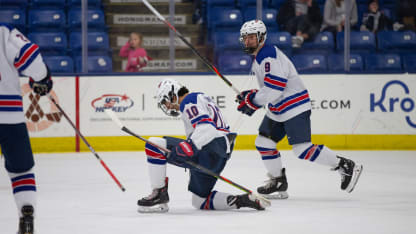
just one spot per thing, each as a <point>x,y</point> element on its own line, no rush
<point>76,195</point>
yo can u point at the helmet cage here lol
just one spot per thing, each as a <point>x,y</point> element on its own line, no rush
<point>168,97</point>
<point>253,27</point>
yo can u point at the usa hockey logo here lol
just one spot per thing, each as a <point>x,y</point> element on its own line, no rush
<point>392,104</point>
<point>117,103</point>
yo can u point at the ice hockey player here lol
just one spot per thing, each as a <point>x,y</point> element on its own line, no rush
<point>286,99</point>
<point>209,143</point>
<point>19,56</point>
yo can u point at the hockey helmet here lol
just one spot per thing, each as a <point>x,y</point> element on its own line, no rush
<point>167,94</point>
<point>253,27</point>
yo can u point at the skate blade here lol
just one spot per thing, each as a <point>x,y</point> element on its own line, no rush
<point>160,208</point>
<point>264,202</point>
<point>357,173</point>
<point>276,196</point>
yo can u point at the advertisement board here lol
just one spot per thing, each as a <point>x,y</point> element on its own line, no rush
<point>342,105</point>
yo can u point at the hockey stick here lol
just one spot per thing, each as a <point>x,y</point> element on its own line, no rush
<point>86,142</point>
<point>208,63</point>
<point>265,202</point>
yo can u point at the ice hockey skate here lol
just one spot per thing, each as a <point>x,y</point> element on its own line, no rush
<point>156,202</point>
<point>245,200</point>
<point>275,188</point>
<point>350,173</point>
<point>26,222</point>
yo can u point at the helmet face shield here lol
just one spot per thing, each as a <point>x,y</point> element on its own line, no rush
<point>167,96</point>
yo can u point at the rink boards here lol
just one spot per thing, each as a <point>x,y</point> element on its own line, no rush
<point>349,111</point>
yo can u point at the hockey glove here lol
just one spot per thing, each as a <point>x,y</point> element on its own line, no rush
<point>241,96</point>
<point>185,150</point>
<point>43,86</point>
<point>247,106</point>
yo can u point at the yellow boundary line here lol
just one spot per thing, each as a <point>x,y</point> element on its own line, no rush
<point>244,142</point>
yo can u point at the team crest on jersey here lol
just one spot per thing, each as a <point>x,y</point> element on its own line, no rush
<point>40,117</point>
<point>118,103</point>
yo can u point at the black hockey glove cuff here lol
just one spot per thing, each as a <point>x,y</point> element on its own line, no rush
<point>43,86</point>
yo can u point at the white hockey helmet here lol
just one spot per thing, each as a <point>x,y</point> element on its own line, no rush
<point>167,90</point>
<point>253,27</point>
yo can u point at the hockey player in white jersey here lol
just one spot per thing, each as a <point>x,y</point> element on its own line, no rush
<point>19,56</point>
<point>283,94</point>
<point>209,143</point>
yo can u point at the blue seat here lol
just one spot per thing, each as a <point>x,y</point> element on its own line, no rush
<point>360,42</point>
<point>49,3</point>
<point>282,40</point>
<point>59,64</point>
<point>323,44</point>
<point>251,3</point>
<point>383,63</point>
<point>213,6</point>
<point>409,63</point>
<point>310,63</point>
<point>236,62</point>
<point>397,42</point>
<point>268,16</point>
<point>336,62</point>
<point>226,41</point>
<point>90,2</point>
<point>226,18</point>
<point>47,18</point>
<point>276,3</point>
<point>50,41</point>
<point>96,41</point>
<point>96,64</point>
<point>95,18</point>
<point>13,16</point>
<point>14,3</point>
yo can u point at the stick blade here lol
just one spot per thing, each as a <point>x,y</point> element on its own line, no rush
<point>113,117</point>
<point>264,202</point>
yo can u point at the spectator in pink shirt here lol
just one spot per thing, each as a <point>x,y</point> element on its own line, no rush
<point>133,51</point>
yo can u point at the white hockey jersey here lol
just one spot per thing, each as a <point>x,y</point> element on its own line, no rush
<point>202,119</point>
<point>17,55</point>
<point>281,89</point>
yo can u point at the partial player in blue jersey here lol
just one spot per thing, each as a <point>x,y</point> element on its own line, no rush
<point>209,143</point>
<point>19,56</point>
<point>282,92</point>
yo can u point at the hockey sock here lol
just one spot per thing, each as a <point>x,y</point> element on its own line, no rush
<point>269,155</point>
<point>316,153</point>
<point>215,201</point>
<point>24,189</point>
<point>157,162</point>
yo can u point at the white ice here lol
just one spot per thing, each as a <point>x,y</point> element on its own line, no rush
<point>76,195</point>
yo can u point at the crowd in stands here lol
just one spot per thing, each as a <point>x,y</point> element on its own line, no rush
<point>310,32</point>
